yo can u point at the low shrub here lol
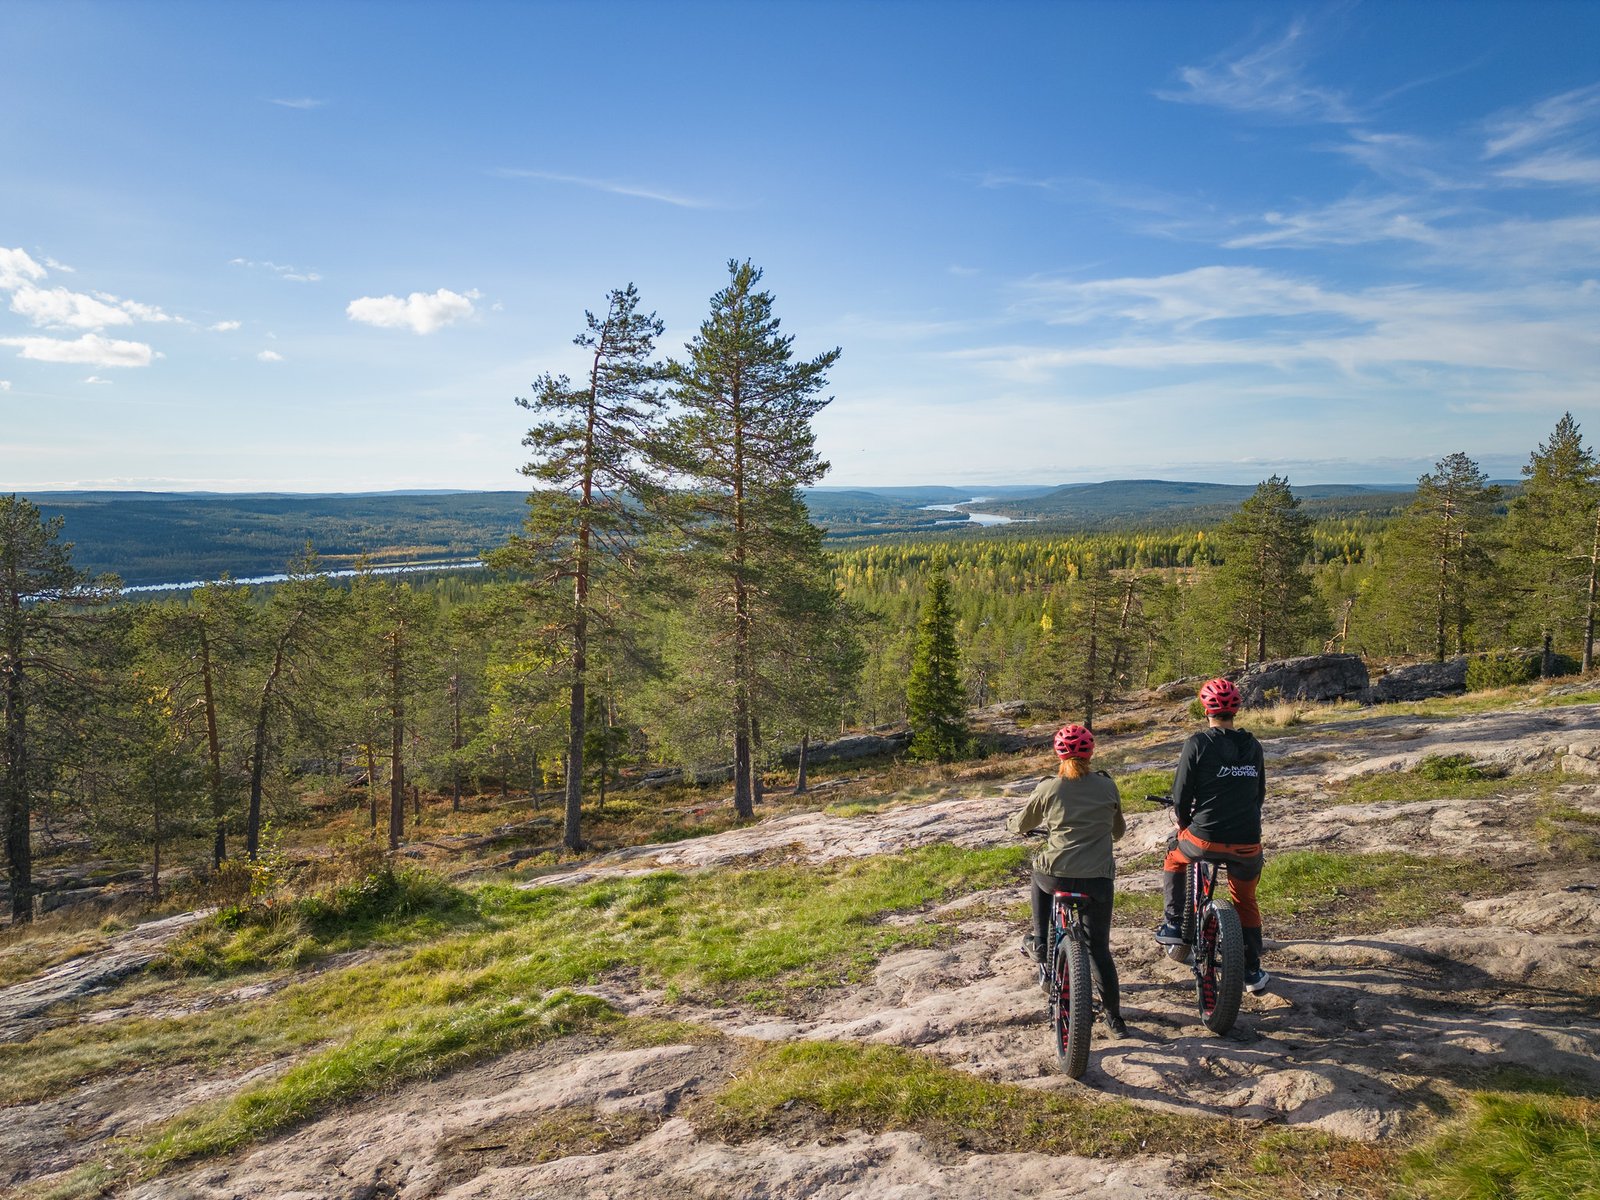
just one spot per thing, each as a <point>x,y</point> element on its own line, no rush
<point>1501,668</point>
<point>1455,768</point>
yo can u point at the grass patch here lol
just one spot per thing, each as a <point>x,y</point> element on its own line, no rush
<point>1438,777</point>
<point>26,957</point>
<point>1311,892</point>
<point>1564,698</point>
<point>1505,1147</point>
<point>761,935</point>
<point>412,1046</point>
<point>1137,784</point>
<point>798,1086</point>
<point>389,906</point>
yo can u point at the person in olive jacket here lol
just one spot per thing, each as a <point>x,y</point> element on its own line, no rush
<point>1081,813</point>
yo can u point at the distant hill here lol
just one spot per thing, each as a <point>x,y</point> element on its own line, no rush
<point>1148,502</point>
<point>171,537</point>
<point>155,537</point>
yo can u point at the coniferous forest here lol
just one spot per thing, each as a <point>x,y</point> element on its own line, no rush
<point>668,600</point>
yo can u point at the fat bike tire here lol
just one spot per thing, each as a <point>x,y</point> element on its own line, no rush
<point>1219,966</point>
<point>1072,1009</point>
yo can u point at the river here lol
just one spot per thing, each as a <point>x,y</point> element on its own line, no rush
<point>975,518</point>
<point>463,565</point>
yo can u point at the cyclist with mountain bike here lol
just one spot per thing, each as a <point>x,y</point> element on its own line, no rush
<point>1217,793</point>
<point>1080,812</point>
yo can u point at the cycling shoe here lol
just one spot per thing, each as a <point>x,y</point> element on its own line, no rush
<point>1255,982</point>
<point>1169,935</point>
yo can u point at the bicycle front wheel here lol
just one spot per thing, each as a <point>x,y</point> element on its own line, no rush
<point>1219,965</point>
<point>1072,1008</point>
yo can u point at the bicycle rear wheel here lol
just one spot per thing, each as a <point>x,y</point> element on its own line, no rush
<point>1219,965</point>
<point>1072,1008</point>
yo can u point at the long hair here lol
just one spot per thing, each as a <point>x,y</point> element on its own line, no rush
<point>1074,768</point>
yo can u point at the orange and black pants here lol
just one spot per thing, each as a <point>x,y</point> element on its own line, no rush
<point>1244,861</point>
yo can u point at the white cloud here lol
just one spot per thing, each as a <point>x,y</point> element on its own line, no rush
<point>304,103</point>
<point>5,385</point>
<point>269,356</point>
<point>17,269</point>
<point>418,312</point>
<point>59,266</point>
<point>1265,81</point>
<point>1556,167</point>
<point>282,271</point>
<point>57,307</point>
<point>225,326</point>
<point>1520,130</point>
<point>615,188</point>
<point>96,379</point>
<point>89,350</point>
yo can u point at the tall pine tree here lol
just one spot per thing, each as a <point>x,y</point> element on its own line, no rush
<point>742,441</point>
<point>592,463</point>
<point>1439,571</point>
<point>1554,536</point>
<point>1269,595</point>
<point>43,674</point>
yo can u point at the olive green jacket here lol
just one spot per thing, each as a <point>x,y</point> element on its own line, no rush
<point>1083,817</point>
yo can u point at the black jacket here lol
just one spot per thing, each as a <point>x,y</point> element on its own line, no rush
<point>1219,786</point>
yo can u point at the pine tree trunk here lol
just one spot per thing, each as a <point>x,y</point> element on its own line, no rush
<point>372,784</point>
<point>800,775</point>
<point>19,844</point>
<point>219,848</point>
<point>756,794</point>
<point>155,856</point>
<point>397,768</point>
<point>743,800</point>
<point>1594,591</point>
<point>455,742</point>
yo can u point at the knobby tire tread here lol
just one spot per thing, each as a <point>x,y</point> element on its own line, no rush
<point>1074,1009</point>
<point>1228,957</point>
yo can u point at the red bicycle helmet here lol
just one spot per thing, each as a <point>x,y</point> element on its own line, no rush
<point>1220,698</point>
<point>1074,741</point>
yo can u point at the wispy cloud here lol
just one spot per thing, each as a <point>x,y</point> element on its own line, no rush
<point>420,312</point>
<point>269,356</point>
<point>92,349</point>
<point>303,103</point>
<point>1267,80</point>
<point>225,326</point>
<point>1516,130</point>
<point>5,385</point>
<point>95,379</point>
<point>282,271</point>
<point>1546,335</point>
<point>610,186</point>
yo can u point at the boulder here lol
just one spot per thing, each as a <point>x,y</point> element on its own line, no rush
<point>1419,681</point>
<point>851,747</point>
<point>1313,677</point>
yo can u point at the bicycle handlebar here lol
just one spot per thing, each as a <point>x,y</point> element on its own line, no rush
<point>1164,801</point>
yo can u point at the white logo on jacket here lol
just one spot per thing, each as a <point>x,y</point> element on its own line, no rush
<point>1236,772</point>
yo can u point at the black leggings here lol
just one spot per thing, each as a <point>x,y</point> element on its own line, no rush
<point>1097,917</point>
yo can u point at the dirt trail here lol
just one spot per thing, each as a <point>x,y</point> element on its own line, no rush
<point>1356,1037</point>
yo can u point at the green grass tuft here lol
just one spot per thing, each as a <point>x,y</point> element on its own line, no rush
<point>1513,1148</point>
<point>390,906</point>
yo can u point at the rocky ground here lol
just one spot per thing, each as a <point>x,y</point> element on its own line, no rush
<point>1356,1038</point>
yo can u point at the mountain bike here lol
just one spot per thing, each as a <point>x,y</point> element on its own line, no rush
<point>1065,979</point>
<point>1213,943</point>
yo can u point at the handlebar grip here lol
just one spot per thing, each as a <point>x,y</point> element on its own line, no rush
<point>1164,801</point>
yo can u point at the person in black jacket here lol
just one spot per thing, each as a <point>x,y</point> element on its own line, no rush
<point>1217,794</point>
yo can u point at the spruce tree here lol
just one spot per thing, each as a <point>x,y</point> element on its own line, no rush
<point>1553,533</point>
<point>935,701</point>
<point>743,444</point>
<point>592,462</point>
<point>1269,596</point>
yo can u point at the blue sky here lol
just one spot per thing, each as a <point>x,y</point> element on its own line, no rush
<point>253,246</point>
